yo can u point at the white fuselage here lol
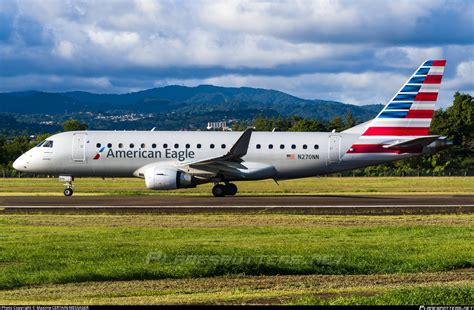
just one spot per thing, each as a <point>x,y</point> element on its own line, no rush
<point>123,153</point>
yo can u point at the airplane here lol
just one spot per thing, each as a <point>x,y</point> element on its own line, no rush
<point>169,160</point>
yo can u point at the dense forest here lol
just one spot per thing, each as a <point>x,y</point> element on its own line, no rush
<point>456,122</point>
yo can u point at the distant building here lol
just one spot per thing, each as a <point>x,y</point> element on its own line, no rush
<point>218,126</point>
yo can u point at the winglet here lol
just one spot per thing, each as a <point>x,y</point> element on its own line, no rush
<point>239,149</point>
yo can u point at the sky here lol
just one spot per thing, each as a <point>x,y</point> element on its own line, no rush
<point>357,52</point>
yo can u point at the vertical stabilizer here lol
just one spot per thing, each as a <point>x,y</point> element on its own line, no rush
<point>408,115</point>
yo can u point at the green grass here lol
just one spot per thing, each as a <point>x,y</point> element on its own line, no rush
<point>323,185</point>
<point>437,295</point>
<point>44,249</point>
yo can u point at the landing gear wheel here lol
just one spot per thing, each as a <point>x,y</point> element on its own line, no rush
<point>68,192</point>
<point>230,189</point>
<point>218,190</point>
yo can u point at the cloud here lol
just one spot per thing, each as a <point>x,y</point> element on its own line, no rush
<point>56,83</point>
<point>64,49</point>
<point>464,78</point>
<point>328,49</point>
<point>395,22</point>
<point>407,57</point>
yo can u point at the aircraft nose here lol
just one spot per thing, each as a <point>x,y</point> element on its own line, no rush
<point>19,163</point>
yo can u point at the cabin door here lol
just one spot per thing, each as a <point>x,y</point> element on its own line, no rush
<point>79,147</point>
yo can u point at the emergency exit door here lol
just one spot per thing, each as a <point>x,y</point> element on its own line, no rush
<point>334,149</point>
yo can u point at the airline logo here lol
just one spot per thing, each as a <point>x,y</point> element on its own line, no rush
<point>99,151</point>
<point>408,114</point>
<point>150,154</point>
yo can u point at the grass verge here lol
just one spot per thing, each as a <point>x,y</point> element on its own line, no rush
<point>323,185</point>
<point>45,250</point>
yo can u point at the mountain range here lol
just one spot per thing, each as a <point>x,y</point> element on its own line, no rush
<point>212,101</point>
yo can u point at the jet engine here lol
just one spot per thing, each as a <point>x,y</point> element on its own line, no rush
<point>167,178</point>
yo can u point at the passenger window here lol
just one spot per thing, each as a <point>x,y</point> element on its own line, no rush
<point>176,146</point>
<point>98,145</point>
<point>142,145</point>
<point>293,146</point>
<point>258,146</point>
<point>282,146</point>
<point>305,146</point>
<point>48,143</point>
<point>223,146</point>
<point>316,146</point>
<point>153,146</point>
<point>199,146</point>
<point>188,146</point>
<point>212,146</point>
<point>270,146</point>
<point>120,145</point>
<point>165,146</point>
<point>109,145</point>
<point>132,145</point>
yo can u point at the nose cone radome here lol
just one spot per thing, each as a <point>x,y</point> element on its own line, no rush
<point>20,163</point>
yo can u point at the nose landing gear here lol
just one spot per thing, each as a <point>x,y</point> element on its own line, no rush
<point>68,183</point>
<point>68,192</point>
<point>227,189</point>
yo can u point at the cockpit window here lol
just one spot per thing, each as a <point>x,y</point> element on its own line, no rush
<point>48,143</point>
<point>41,143</point>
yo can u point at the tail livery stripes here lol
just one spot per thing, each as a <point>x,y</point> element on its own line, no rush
<point>408,114</point>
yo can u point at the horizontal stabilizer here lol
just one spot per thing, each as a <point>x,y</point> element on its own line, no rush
<point>407,144</point>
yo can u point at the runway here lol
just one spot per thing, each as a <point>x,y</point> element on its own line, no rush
<point>317,204</point>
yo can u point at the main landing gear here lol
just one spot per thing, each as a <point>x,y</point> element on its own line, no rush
<point>227,189</point>
<point>68,183</point>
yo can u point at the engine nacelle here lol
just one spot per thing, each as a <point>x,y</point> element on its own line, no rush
<point>167,178</point>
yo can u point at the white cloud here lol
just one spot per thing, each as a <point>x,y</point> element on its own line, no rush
<point>310,21</point>
<point>408,57</point>
<point>464,78</point>
<point>113,40</point>
<point>64,49</point>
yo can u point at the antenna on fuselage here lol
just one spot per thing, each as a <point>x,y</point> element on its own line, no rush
<point>153,129</point>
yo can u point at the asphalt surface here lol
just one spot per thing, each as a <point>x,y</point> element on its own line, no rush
<point>320,204</point>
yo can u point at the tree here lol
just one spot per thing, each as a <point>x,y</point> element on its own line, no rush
<point>350,122</point>
<point>308,125</point>
<point>457,123</point>
<point>337,124</point>
<point>72,125</point>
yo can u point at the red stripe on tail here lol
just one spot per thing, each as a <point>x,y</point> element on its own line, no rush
<point>433,79</point>
<point>426,96</point>
<point>439,63</point>
<point>420,114</point>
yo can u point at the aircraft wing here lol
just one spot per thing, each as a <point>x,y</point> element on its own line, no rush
<point>234,155</point>
<point>231,164</point>
<point>407,144</point>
